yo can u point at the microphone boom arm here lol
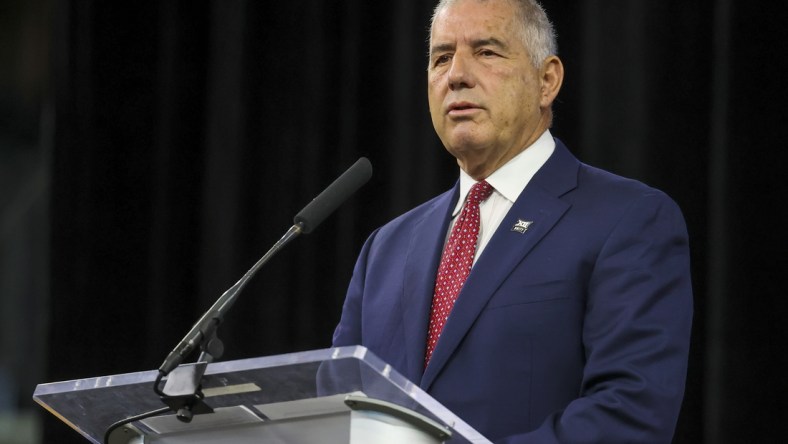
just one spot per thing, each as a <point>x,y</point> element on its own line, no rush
<point>204,329</point>
<point>203,334</point>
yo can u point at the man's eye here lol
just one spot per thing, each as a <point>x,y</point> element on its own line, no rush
<point>440,60</point>
<point>487,53</point>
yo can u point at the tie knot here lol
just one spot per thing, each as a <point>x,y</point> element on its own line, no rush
<point>480,192</point>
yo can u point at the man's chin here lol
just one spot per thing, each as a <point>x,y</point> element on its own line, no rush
<point>460,143</point>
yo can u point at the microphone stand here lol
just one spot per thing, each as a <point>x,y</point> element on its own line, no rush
<point>182,391</point>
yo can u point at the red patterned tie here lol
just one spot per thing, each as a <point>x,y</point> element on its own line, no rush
<point>455,263</point>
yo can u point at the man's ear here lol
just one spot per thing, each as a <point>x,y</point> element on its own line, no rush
<point>552,77</point>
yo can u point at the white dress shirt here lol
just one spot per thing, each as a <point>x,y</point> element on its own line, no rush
<point>508,182</point>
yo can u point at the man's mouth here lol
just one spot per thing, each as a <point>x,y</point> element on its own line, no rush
<point>462,108</point>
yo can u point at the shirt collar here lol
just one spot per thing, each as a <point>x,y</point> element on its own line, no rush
<point>510,179</point>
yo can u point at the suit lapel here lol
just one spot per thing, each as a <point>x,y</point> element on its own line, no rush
<point>424,253</point>
<point>538,203</point>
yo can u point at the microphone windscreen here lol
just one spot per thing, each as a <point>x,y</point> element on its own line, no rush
<point>333,196</point>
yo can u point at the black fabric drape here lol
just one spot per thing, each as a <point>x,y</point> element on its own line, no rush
<point>188,134</point>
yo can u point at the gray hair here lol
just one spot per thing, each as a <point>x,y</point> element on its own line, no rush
<point>537,32</point>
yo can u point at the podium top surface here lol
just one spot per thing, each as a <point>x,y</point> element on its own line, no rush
<point>91,405</point>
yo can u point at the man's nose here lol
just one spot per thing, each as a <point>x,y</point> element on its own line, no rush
<point>460,72</point>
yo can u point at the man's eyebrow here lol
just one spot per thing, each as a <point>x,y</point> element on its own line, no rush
<point>443,47</point>
<point>492,41</point>
<point>478,43</point>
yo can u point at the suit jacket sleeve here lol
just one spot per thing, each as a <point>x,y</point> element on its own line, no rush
<point>348,331</point>
<point>635,334</point>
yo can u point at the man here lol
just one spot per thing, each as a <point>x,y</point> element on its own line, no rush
<point>573,323</point>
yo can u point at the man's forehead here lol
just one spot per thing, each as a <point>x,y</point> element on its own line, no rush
<point>473,20</point>
<point>474,30</point>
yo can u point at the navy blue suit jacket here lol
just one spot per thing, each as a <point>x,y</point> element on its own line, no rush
<point>576,330</point>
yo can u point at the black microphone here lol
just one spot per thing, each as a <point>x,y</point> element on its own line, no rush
<point>202,334</point>
<point>336,193</point>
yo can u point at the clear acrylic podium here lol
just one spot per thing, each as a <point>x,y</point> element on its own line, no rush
<point>338,395</point>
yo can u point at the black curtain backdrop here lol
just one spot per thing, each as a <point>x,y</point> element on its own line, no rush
<point>188,134</point>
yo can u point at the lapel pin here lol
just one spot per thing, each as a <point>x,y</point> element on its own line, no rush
<point>522,225</point>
